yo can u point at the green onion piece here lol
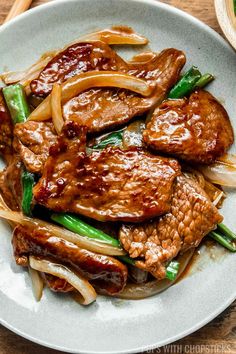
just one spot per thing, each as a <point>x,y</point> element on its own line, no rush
<point>223,229</point>
<point>186,84</point>
<point>127,259</point>
<point>73,223</point>
<point>204,80</point>
<point>234,2</point>
<point>172,270</point>
<point>16,102</point>
<point>27,180</point>
<point>114,139</point>
<point>223,241</point>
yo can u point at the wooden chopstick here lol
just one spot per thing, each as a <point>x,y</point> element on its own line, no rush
<point>18,7</point>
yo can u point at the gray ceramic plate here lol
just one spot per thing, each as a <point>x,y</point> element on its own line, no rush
<point>114,326</point>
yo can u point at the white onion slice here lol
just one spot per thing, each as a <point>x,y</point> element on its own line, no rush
<point>58,270</point>
<point>57,117</point>
<point>79,83</point>
<point>80,241</point>
<point>220,173</point>
<point>137,291</point>
<point>37,283</point>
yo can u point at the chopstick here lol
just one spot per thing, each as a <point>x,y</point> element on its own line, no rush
<point>18,7</point>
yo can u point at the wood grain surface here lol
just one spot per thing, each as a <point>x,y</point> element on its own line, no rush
<point>219,336</point>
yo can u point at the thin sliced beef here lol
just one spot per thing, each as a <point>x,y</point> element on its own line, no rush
<point>106,273</point>
<point>78,58</point>
<point>191,217</point>
<point>196,129</point>
<point>100,109</point>
<point>32,141</point>
<point>107,185</point>
<point>6,132</point>
<point>10,184</point>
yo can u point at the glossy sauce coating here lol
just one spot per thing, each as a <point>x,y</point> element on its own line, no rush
<point>197,129</point>
<point>108,185</point>
<point>106,273</point>
<point>191,217</point>
<point>6,131</point>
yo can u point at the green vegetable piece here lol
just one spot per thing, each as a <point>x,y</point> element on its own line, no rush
<point>234,2</point>
<point>114,139</point>
<point>186,84</point>
<point>204,80</point>
<point>172,270</point>
<point>27,180</point>
<point>223,229</point>
<point>73,223</point>
<point>223,241</point>
<point>16,102</point>
<point>127,259</point>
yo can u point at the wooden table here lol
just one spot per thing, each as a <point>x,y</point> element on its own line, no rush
<point>219,336</point>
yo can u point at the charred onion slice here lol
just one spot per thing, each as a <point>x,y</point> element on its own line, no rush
<point>57,117</point>
<point>37,283</point>
<point>58,270</point>
<point>141,291</point>
<point>79,83</point>
<point>80,241</point>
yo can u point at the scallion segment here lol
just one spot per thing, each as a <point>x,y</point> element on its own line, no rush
<point>114,139</point>
<point>223,229</point>
<point>27,180</point>
<point>186,84</point>
<point>16,102</point>
<point>73,223</point>
<point>172,270</point>
<point>223,240</point>
<point>204,80</point>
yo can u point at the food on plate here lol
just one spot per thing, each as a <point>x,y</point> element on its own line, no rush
<point>113,167</point>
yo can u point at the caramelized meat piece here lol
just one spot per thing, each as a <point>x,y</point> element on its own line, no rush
<point>32,142</point>
<point>192,216</point>
<point>106,273</point>
<point>6,132</point>
<point>99,109</point>
<point>78,58</point>
<point>10,184</point>
<point>107,185</point>
<point>197,129</point>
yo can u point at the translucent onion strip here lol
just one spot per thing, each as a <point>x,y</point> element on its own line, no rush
<point>85,81</point>
<point>142,291</point>
<point>57,117</point>
<point>220,173</point>
<point>80,241</point>
<point>58,270</point>
<point>37,283</point>
<point>116,35</point>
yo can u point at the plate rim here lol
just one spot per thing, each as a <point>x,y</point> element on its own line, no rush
<point>230,300</point>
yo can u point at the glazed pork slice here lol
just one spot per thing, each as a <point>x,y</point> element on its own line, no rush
<point>32,141</point>
<point>196,129</point>
<point>107,185</point>
<point>155,243</point>
<point>6,131</point>
<point>106,273</point>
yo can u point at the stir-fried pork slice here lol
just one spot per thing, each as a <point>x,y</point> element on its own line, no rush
<point>107,185</point>
<point>32,141</point>
<point>6,131</point>
<point>197,129</point>
<point>10,184</point>
<point>106,273</point>
<point>99,109</point>
<point>192,216</point>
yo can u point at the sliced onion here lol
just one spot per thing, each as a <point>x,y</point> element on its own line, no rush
<point>79,83</point>
<point>220,173</point>
<point>115,35</point>
<point>37,283</point>
<point>228,159</point>
<point>133,134</point>
<point>215,194</point>
<point>136,291</point>
<point>80,241</point>
<point>23,77</point>
<point>57,118</point>
<point>142,58</point>
<point>58,270</point>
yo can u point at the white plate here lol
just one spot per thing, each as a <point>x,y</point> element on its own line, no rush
<point>110,325</point>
